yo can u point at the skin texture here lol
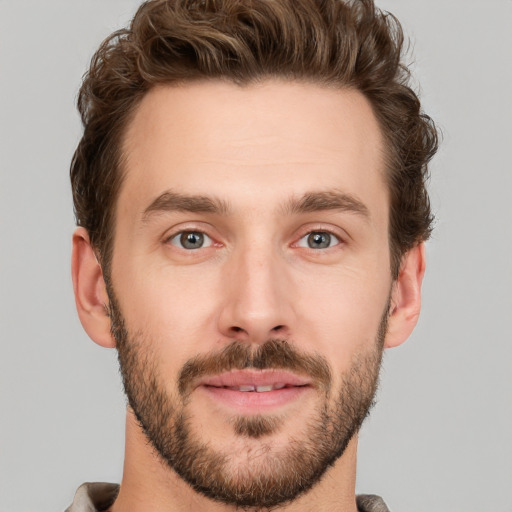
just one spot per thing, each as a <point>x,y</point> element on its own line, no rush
<point>278,161</point>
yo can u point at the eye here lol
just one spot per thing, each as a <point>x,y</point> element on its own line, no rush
<point>191,240</point>
<point>318,240</point>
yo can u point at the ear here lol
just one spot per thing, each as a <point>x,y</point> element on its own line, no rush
<point>90,291</point>
<point>406,297</point>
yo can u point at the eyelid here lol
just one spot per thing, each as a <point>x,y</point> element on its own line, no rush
<point>333,236</point>
<point>189,227</point>
<point>338,233</point>
<point>177,236</point>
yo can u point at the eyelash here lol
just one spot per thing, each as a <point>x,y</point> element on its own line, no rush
<point>176,239</point>
<point>317,232</point>
<point>179,238</point>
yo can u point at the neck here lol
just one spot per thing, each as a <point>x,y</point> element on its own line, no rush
<point>149,484</point>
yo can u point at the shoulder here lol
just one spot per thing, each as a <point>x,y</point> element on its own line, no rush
<point>94,497</point>
<point>371,503</point>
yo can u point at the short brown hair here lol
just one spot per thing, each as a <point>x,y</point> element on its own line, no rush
<point>340,43</point>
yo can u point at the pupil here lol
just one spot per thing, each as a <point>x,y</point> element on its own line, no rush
<point>319,240</point>
<point>192,240</point>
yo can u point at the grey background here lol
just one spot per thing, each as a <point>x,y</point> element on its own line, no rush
<point>439,438</point>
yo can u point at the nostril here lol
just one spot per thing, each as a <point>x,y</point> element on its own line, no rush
<point>278,327</point>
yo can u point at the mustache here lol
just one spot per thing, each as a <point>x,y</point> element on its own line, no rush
<point>274,354</point>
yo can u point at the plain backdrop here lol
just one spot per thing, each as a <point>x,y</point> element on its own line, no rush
<point>440,437</point>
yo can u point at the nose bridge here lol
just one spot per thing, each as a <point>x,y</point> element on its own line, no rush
<point>256,307</point>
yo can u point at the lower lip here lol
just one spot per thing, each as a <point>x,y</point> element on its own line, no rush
<point>254,402</point>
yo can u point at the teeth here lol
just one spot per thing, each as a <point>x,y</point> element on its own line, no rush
<point>262,389</point>
<point>244,388</point>
<point>258,389</point>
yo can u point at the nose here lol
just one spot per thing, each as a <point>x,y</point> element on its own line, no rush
<point>257,297</point>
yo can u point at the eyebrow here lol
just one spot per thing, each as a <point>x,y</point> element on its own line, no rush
<point>171,201</point>
<point>175,202</point>
<point>327,200</point>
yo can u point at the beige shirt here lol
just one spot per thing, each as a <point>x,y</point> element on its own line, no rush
<point>96,497</point>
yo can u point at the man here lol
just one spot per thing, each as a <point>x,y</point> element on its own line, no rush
<point>250,195</point>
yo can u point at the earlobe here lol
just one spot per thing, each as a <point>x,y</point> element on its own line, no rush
<point>406,297</point>
<point>90,292</point>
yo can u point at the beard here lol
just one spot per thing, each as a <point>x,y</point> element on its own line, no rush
<point>263,476</point>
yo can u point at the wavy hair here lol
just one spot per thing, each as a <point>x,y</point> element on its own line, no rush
<point>336,43</point>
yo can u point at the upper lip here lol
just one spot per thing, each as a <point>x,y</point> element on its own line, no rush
<point>254,378</point>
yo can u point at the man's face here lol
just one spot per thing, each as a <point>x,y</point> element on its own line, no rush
<point>251,280</point>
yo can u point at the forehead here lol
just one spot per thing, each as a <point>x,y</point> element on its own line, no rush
<point>257,142</point>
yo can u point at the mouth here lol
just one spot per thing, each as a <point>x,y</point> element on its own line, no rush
<point>248,388</point>
<point>254,391</point>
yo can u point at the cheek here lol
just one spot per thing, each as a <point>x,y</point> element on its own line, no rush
<point>174,310</point>
<point>342,315</point>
